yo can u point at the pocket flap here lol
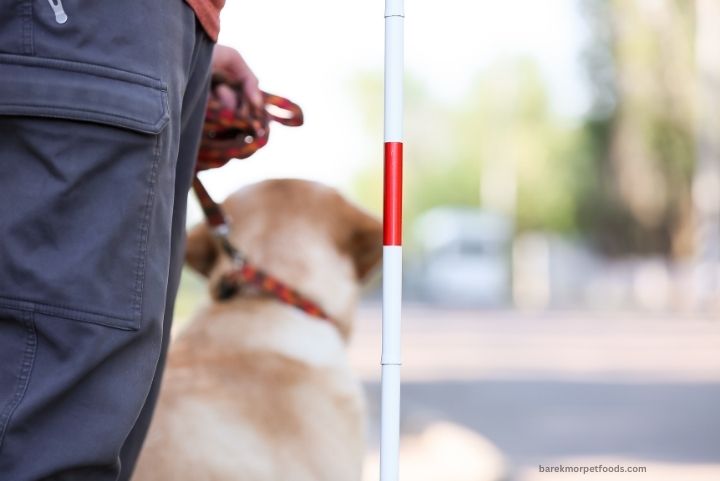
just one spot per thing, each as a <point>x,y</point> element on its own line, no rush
<point>32,86</point>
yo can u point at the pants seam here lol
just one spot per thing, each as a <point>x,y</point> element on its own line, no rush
<point>23,379</point>
<point>27,28</point>
<point>144,233</point>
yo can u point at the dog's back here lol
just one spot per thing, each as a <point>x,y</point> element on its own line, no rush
<point>283,405</point>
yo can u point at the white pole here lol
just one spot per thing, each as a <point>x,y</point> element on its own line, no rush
<point>392,242</point>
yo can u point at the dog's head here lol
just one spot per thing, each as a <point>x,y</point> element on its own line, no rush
<point>304,233</point>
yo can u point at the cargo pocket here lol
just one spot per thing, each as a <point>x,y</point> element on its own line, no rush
<point>80,151</point>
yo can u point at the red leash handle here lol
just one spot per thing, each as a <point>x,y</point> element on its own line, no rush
<point>283,111</point>
<point>239,133</point>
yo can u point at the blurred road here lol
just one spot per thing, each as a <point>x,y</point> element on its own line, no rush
<point>562,388</point>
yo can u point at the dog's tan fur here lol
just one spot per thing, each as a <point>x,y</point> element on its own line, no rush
<point>256,390</point>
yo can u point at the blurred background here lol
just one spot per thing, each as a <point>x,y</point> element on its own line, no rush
<point>562,221</point>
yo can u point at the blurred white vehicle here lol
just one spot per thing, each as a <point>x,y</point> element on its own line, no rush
<point>465,257</point>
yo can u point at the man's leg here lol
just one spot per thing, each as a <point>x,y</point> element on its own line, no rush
<point>193,116</point>
<point>90,123</point>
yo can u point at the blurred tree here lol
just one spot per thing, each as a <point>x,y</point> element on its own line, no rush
<point>530,159</point>
<point>641,67</point>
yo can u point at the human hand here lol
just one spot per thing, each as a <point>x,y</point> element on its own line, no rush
<point>228,62</point>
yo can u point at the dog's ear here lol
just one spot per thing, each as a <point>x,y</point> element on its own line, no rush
<point>201,252</point>
<point>365,243</point>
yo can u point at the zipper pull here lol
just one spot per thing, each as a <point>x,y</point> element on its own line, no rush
<point>60,15</point>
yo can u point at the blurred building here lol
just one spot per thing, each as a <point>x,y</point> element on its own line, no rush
<point>464,257</point>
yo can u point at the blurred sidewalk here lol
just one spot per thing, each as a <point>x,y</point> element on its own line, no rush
<point>561,388</point>
<point>470,345</point>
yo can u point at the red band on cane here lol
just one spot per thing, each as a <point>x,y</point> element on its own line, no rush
<point>392,221</point>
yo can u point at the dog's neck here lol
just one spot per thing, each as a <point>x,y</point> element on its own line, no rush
<point>263,325</point>
<point>325,280</point>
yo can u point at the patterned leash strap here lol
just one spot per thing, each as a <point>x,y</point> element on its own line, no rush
<point>248,275</point>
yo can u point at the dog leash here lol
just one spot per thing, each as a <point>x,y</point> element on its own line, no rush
<point>238,133</point>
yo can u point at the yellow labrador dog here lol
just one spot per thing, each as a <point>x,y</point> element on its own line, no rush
<point>257,390</point>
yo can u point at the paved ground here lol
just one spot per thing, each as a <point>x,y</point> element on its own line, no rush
<point>566,388</point>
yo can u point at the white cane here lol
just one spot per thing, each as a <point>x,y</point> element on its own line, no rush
<point>392,242</point>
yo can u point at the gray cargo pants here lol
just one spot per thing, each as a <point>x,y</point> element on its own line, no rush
<point>101,106</point>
